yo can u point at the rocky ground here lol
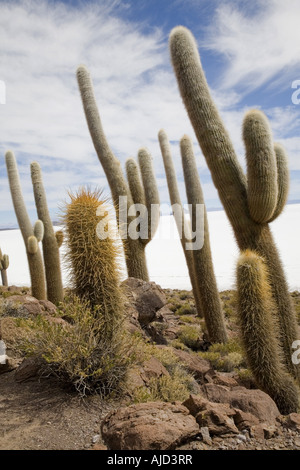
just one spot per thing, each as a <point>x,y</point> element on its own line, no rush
<point>185,394</point>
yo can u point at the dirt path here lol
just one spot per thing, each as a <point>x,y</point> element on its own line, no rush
<point>38,414</point>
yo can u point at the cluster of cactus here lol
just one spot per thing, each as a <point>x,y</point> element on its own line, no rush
<point>31,235</point>
<point>251,201</point>
<point>199,261</point>
<point>91,257</point>
<point>139,192</point>
<point>42,231</point>
<point>4,263</point>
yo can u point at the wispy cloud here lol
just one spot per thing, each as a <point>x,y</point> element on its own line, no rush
<point>42,45</point>
<point>259,47</point>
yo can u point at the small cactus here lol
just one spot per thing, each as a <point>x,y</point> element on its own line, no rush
<point>59,235</point>
<point>93,260</point>
<point>4,264</point>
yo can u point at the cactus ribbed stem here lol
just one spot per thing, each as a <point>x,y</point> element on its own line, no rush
<point>175,200</point>
<point>50,247</point>
<point>208,290</point>
<point>259,333</point>
<point>261,166</point>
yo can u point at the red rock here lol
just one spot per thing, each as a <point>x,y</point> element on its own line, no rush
<point>255,402</point>
<point>153,368</point>
<point>146,297</point>
<point>244,420</point>
<point>293,421</point>
<point>196,365</point>
<point>148,426</point>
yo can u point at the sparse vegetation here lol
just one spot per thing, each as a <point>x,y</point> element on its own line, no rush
<point>78,352</point>
<point>225,357</point>
<point>190,336</point>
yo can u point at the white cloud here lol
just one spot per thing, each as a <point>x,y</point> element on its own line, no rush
<point>42,45</point>
<point>259,47</point>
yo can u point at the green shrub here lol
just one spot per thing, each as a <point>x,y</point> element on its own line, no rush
<point>78,352</point>
<point>225,357</point>
<point>185,309</point>
<point>177,386</point>
<point>190,335</point>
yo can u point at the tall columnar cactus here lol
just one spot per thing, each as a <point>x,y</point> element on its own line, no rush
<point>50,246</point>
<point>230,180</point>
<point>259,333</point>
<point>183,227</point>
<point>92,254</point>
<point>29,233</point>
<point>210,299</point>
<point>147,190</point>
<point>4,263</point>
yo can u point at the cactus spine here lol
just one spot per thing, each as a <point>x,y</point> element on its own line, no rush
<point>4,263</point>
<point>134,248</point>
<point>50,246</point>
<point>92,258</point>
<point>259,333</point>
<point>230,179</point>
<point>34,256</point>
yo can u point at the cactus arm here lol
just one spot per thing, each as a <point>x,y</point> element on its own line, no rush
<point>210,299</point>
<point>261,166</point>
<point>282,178</point>
<point>212,136</point>
<point>4,263</point>
<point>35,261</point>
<point>134,181</point>
<point>38,230</point>
<point>109,162</point>
<point>59,235</point>
<point>50,248</point>
<point>17,196</point>
<point>134,250</point>
<point>151,192</point>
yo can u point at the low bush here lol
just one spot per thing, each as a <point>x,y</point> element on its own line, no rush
<point>79,353</point>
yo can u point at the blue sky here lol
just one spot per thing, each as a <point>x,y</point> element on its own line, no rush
<point>250,52</point>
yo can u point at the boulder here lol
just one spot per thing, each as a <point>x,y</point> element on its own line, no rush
<point>148,426</point>
<point>222,378</point>
<point>9,365</point>
<point>153,368</point>
<point>146,297</point>
<point>254,401</point>
<point>28,369</point>
<point>194,364</point>
<point>244,420</point>
<point>293,421</point>
<point>217,417</point>
<point>25,305</point>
